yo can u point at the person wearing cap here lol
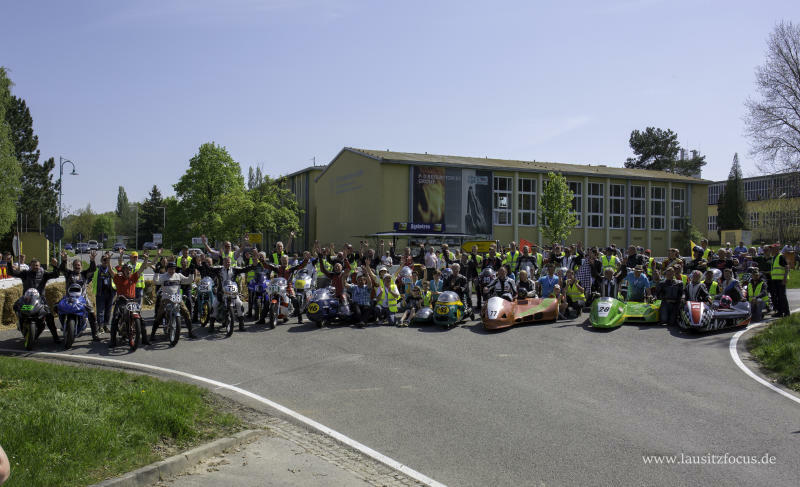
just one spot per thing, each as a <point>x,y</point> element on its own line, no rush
<point>126,279</point>
<point>638,284</point>
<point>171,282</point>
<point>779,273</point>
<point>757,295</point>
<point>670,292</point>
<point>136,268</point>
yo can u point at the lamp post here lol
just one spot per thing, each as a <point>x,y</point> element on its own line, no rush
<point>163,226</point>
<point>61,163</point>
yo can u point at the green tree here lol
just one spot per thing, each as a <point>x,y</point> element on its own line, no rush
<point>212,193</point>
<point>658,150</point>
<point>270,208</point>
<point>82,222</point>
<point>151,216</point>
<point>123,205</point>
<point>39,195</point>
<point>179,231</point>
<point>555,209</point>
<point>103,224</point>
<point>731,207</point>
<point>773,120</point>
<point>10,171</point>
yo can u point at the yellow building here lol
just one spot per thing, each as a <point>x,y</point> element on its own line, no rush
<point>773,208</point>
<point>301,183</point>
<point>363,192</point>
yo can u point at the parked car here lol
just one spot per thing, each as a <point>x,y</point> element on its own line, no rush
<point>93,245</point>
<point>118,247</point>
<point>68,247</point>
<point>149,246</point>
<point>82,248</point>
<point>197,251</point>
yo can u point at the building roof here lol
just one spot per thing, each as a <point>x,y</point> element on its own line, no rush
<point>305,169</point>
<point>525,166</point>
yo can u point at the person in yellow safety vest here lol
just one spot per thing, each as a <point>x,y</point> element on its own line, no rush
<point>512,256</point>
<point>651,265</point>
<point>679,275</point>
<point>779,273</point>
<point>539,258</point>
<point>446,257</point>
<point>706,251</point>
<point>608,260</point>
<point>226,252</point>
<point>757,295</point>
<point>576,299</point>
<point>711,285</point>
<point>135,267</point>
<point>184,255</point>
<point>276,256</point>
<point>426,294</point>
<point>387,299</point>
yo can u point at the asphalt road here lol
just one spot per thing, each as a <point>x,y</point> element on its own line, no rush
<point>545,404</point>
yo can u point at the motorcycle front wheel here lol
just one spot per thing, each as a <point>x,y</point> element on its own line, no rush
<point>134,337</point>
<point>69,336</point>
<point>229,323</point>
<point>29,326</point>
<point>174,330</point>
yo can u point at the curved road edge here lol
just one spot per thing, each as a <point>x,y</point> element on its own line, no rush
<point>733,347</point>
<point>375,455</point>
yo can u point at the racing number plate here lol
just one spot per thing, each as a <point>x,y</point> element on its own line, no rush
<point>27,307</point>
<point>603,310</point>
<point>313,307</point>
<point>442,310</point>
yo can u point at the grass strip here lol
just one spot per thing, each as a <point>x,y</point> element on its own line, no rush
<point>75,425</point>
<point>777,348</point>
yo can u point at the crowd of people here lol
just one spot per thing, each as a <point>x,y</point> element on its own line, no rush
<point>380,283</point>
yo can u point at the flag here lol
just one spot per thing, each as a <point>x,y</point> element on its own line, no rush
<point>523,243</point>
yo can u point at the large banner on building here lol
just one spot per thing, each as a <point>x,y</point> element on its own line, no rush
<point>458,199</point>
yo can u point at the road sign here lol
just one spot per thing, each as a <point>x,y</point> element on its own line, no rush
<point>15,245</point>
<point>254,238</point>
<point>54,232</point>
<point>157,238</point>
<point>79,237</point>
<point>197,241</point>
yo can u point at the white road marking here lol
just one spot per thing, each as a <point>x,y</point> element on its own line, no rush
<point>419,477</point>
<point>735,355</point>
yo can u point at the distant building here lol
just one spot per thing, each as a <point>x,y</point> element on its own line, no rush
<point>773,207</point>
<point>362,192</point>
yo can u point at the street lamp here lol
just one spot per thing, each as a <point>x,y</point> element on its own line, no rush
<point>61,163</point>
<point>163,226</point>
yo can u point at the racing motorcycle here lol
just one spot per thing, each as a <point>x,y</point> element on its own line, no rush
<point>303,288</point>
<point>257,289</point>
<point>487,276</point>
<point>72,313</point>
<point>30,317</point>
<point>128,324</point>
<point>230,309</point>
<point>205,300</point>
<point>280,306</point>
<point>171,321</point>
<point>705,316</point>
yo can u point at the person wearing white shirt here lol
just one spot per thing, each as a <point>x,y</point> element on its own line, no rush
<point>171,282</point>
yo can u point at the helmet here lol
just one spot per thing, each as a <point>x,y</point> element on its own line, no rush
<point>381,268</point>
<point>30,295</point>
<point>126,265</point>
<point>717,274</point>
<point>725,302</point>
<point>74,290</point>
<point>697,248</point>
<point>447,272</point>
<point>405,272</point>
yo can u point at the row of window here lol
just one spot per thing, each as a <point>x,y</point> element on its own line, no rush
<point>595,212</point>
<point>786,186</point>
<point>764,220</point>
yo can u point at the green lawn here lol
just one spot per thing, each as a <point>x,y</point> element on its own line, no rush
<point>793,282</point>
<point>75,425</point>
<point>778,349</point>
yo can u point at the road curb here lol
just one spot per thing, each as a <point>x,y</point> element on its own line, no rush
<point>754,366</point>
<point>181,462</point>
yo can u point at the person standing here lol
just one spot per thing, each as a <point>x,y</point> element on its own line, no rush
<point>104,290</point>
<point>779,273</point>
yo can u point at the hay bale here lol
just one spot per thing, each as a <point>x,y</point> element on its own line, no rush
<point>10,296</point>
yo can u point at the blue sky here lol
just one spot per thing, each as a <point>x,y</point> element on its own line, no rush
<point>130,90</point>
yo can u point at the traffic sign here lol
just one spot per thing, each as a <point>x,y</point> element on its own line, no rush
<point>54,232</point>
<point>157,238</point>
<point>254,238</point>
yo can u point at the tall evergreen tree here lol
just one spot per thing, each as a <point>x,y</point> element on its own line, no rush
<point>151,216</point>
<point>39,195</point>
<point>10,172</point>
<point>731,208</point>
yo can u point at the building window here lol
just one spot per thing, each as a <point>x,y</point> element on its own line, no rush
<point>714,191</point>
<point>526,193</point>
<point>678,208</point>
<point>502,201</point>
<point>638,202</point>
<point>712,223</point>
<point>577,202</point>
<point>595,201</point>
<point>658,207</point>
<point>754,223</point>
<point>617,204</point>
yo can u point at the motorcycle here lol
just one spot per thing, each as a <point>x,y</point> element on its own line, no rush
<point>704,316</point>
<point>171,320</point>
<point>205,300</point>
<point>230,309</point>
<point>128,324</point>
<point>257,289</point>
<point>303,288</point>
<point>487,276</point>
<point>280,306</point>
<point>449,311</point>
<point>324,307</point>
<point>72,314</point>
<point>30,317</point>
